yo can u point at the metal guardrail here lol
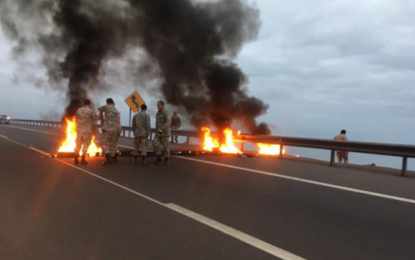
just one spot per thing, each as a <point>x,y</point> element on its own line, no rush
<point>398,150</point>
<point>54,124</point>
<point>126,130</point>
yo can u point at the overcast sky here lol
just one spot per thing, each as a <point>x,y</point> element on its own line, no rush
<point>322,65</point>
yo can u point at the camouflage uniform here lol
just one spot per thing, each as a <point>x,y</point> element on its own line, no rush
<point>110,130</point>
<point>141,127</point>
<point>163,122</point>
<point>342,155</point>
<point>176,122</point>
<point>86,118</point>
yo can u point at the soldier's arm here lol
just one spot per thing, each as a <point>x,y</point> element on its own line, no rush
<point>101,114</point>
<point>134,123</point>
<point>101,118</point>
<point>101,109</point>
<point>180,122</point>
<point>119,122</point>
<point>168,123</point>
<point>94,117</point>
<point>148,125</point>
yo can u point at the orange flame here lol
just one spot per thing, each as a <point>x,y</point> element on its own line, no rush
<point>210,143</point>
<point>69,144</point>
<point>269,149</point>
<point>229,145</point>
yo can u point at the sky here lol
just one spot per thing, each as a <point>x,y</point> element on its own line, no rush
<point>321,65</point>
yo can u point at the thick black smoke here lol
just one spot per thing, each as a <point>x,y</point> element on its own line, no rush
<point>191,43</point>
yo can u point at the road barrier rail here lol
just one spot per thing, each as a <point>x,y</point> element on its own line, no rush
<point>397,150</point>
<point>127,131</point>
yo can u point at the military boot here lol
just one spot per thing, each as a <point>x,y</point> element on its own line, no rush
<point>166,161</point>
<point>143,160</point>
<point>76,160</point>
<point>158,160</point>
<point>83,161</point>
<point>108,159</point>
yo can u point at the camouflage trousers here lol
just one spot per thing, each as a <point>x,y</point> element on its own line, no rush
<point>83,140</point>
<point>343,155</point>
<point>162,145</point>
<point>140,144</point>
<point>109,142</point>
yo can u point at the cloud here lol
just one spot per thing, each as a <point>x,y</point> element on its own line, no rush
<point>325,65</point>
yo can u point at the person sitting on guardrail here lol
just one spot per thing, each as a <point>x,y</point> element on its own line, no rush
<point>141,129</point>
<point>176,123</point>
<point>342,155</point>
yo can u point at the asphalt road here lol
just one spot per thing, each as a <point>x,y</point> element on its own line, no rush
<point>51,210</point>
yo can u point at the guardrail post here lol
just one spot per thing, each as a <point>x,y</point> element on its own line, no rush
<point>404,166</point>
<point>281,151</point>
<point>332,157</point>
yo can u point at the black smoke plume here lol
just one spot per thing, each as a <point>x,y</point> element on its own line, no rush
<point>191,43</point>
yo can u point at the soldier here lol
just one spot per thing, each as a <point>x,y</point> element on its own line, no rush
<point>85,117</point>
<point>342,155</point>
<point>141,129</point>
<point>163,122</point>
<point>176,123</point>
<point>111,130</point>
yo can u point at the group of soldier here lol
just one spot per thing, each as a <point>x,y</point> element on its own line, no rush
<point>111,131</point>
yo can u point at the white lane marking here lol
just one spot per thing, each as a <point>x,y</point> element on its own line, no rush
<point>243,237</point>
<point>39,151</point>
<point>264,246</point>
<point>369,193</point>
<point>338,187</point>
<point>33,130</point>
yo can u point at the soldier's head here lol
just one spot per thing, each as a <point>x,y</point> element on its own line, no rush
<point>343,132</point>
<point>110,101</point>
<point>87,102</point>
<point>143,107</point>
<point>175,113</point>
<point>160,105</point>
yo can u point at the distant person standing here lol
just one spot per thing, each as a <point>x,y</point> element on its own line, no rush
<point>85,118</point>
<point>342,155</point>
<point>111,130</point>
<point>141,129</point>
<point>161,141</point>
<point>176,123</point>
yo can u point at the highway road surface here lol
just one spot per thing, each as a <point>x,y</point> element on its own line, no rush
<point>204,207</point>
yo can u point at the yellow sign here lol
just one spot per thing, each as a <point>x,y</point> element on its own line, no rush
<point>134,101</point>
